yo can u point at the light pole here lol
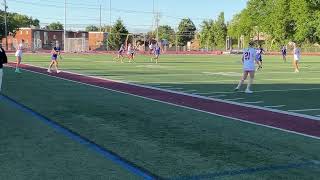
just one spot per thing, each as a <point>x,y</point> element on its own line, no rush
<point>5,23</point>
<point>65,25</point>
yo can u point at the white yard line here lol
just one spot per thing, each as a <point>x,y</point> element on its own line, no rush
<point>164,86</point>
<point>235,99</point>
<point>190,91</point>
<point>217,96</point>
<point>276,106</point>
<point>175,88</point>
<point>271,90</point>
<point>254,102</point>
<point>304,110</point>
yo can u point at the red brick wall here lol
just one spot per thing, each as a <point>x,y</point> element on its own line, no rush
<point>96,40</point>
<point>26,34</point>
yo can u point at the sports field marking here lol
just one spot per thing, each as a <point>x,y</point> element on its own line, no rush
<point>271,168</point>
<point>84,141</point>
<point>235,99</point>
<point>276,106</point>
<point>271,90</point>
<point>182,93</point>
<point>175,88</point>
<point>303,110</point>
<point>184,106</point>
<point>230,74</point>
<point>217,96</point>
<point>164,86</point>
<point>254,102</point>
<point>190,91</point>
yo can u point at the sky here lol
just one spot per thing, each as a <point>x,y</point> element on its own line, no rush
<point>136,15</point>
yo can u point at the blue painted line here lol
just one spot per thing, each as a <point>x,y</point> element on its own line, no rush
<point>250,171</point>
<point>84,141</point>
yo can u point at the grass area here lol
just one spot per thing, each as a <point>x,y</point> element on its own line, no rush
<point>31,150</point>
<point>166,140</point>
<point>213,76</point>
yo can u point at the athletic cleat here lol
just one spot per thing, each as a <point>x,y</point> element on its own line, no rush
<point>248,91</point>
<point>236,89</point>
<point>17,71</point>
<point>58,72</point>
<point>49,71</point>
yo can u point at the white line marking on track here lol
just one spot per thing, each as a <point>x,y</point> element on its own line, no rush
<point>219,100</point>
<point>190,91</point>
<point>271,90</point>
<point>217,96</point>
<point>275,106</point>
<point>235,99</point>
<point>164,86</point>
<point>254,102</point>
<point>175,88</point>
<point>304,110</point>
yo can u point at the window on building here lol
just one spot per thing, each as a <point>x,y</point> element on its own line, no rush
<point>54,36</point>
<point>27,32</point>
<point>83,35</point>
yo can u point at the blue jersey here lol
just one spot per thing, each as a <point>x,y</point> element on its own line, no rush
<point>284,50</point>
<point>259,52</point>
<point>157,51</point>
<point>57,50</point>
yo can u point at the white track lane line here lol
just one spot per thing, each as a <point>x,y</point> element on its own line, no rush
<point>275,106</point>
<point>304,110</point>
<point>254,102</point>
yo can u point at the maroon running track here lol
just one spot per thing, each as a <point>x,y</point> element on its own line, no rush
<point>283,121</point>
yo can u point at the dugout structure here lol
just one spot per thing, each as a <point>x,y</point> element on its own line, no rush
<point>76,45</point>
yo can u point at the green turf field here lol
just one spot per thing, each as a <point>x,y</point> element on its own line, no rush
<point>277,86</point>
<point>169,141</point>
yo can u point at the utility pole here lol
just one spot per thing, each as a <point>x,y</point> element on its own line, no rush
<point>153,18</point>
<point>5,23</point>
<point>157,25</point>
<point>100,19</point>
<point>65,25</point>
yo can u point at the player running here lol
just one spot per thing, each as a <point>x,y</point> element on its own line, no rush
<point>248,61</point>
<point>259,53</point>
<point>54,59</point>
<point>296,57</point>
<point>130,52</point>
<point>120,53</point>
<point>157,51</point>
<point>284,53</point>
<point>19,56</point>
<point>3,60</point>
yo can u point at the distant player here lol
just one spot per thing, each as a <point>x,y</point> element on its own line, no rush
<point>151,48</point>
<point>296,57</point>
<point>259,53</point>
<point>120,53</point>
<point>284,53</point>
<point>55,52</point>
<point>130,52</point>
<point>3,60</point>
<point>157,51</point>
<point>18,55</point>
<point>248,61</point>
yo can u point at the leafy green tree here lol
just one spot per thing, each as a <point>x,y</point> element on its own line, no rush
<point>55,26</point>
<point>118,35</point>
<point>16,21</point>
<point>92,28</point>
<point>166,32</point>
<point>186,31</point>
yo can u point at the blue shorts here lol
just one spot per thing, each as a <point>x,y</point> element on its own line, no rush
<point>54,58</point>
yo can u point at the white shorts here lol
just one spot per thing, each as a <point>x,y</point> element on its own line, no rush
<point>296,58</point>
<point>18,54</point>
<point>1,74</point>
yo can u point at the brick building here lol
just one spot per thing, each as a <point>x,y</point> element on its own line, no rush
<point>96,40</point>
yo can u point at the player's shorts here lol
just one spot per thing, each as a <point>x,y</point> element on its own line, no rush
<point>18,53</point>
<point>284,53</point>
<point>259,58</point>
<point>54,58</point>
<point>296,57</point>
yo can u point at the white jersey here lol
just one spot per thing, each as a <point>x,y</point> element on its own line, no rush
<point>296,54</point>
<point>19,50</point>
<point>249,58</point>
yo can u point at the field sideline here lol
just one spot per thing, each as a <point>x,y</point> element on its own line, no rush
<point>174,142</point>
